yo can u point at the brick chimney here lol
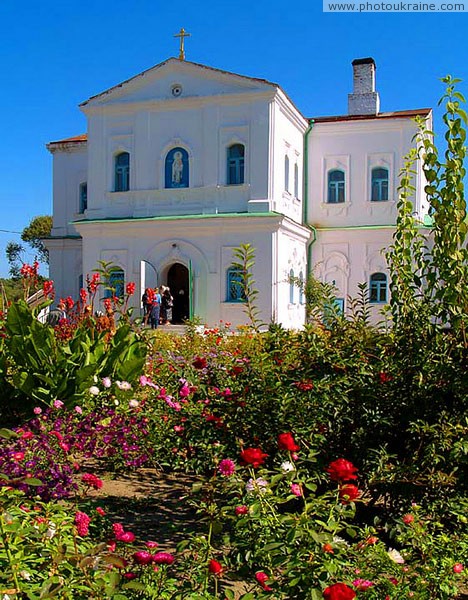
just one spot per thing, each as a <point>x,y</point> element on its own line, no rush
<point>364,100</point>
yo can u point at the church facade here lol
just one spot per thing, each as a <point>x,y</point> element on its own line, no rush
<point>183,163</point>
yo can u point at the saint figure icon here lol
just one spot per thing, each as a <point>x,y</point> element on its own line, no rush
<point>177,168</point>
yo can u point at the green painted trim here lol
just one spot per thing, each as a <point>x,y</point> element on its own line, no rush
<point>358,227</point>
<point>305,199</point>
<point>178,217</point>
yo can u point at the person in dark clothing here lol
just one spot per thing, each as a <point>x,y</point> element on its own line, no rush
<point>147,301</point>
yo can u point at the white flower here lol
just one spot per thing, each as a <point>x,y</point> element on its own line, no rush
<point>51,531</point>
<point>25,575</point>
<point>134,403</point>
<point>94,390</point>
<point>116,402</point>
<point>123,385</point>
<point>396,556</point>
<point>256,485</point>
<point>287,466</point>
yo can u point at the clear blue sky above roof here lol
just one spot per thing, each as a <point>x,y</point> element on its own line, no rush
<point>56,55</point>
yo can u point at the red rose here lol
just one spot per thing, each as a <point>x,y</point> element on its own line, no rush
<point>341,470</point>
<point>348,493</point>
<point>215,567</point>
<point>286,442</point>
<point>339,591</point>
<point>253,456</point>
<point>262,577</point>
<point>458,568</point>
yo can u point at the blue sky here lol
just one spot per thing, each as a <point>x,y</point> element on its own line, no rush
<point>54,55</point>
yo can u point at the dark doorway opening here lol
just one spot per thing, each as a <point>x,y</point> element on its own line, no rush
<point>178,282</point>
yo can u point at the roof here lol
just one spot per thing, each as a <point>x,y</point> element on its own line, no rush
<point>399,114</point>
<point>77,139</point>
<point>177,61</point>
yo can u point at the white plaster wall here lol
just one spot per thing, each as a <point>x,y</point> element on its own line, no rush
<point>356,147</point>
<point>291,256</point>
<point>65,266</point>
<point>349,257</point>
<point>287,139</point>
<point>207,245</point>
<point>70,166</point>
<point>205,132</point>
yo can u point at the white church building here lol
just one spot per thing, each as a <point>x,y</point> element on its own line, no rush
<point>184,162</point>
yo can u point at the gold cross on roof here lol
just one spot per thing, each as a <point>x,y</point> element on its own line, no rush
<point>182,35</point>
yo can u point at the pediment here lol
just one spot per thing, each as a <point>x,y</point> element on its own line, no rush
<point>175,79</point>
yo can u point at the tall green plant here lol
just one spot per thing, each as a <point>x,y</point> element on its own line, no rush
<point>429,274</point>
<point>243,262</point>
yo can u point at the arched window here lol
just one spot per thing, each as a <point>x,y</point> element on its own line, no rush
<point>336,187</point>
<point>177,168</point>
<point>83,197</point>
<point>235,291</point>
<point>115,284</point>
<point>301,288</point>
<point>235,164</point>
<point>122,172</point>
<point>379,184</point>
<point>296,181</point>
<point>286,174</point>
<point>291,286</point>
<point>378,288</point>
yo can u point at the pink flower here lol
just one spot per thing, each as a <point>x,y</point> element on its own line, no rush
<point>151,544</point>
<point>163,558</point>
<point>100,511</point>
<point>82,521</point>
<point>58,404</point>
<point>106,382</point>
<point>92,480</point>
<point>262,577</point>
<point>227,467</point>
<point>117,528</point>
<point>142,557</point>
<point>296,489</point>
<point>18,456</point>
<point>130,575</point>
<point>127,537</point>
<point>362,584</point>
<point>37,410</point>
<point>458,568</point>
<point>78,410</point>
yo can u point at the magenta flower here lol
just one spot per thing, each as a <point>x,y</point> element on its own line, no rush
<point>82,521</point>
<point>296,489</point>
<point>163,558</point>
<point>143,557</point>
<point>362,584</point>
<point>227,467</point>
<point>58,404</point>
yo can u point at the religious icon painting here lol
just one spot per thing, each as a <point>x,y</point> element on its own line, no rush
<point>177,168</point>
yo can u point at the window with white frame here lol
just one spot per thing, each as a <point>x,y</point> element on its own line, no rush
<point>286,174</point>
<point>235,164</point>
<point>335,186</point>
<point>235,290</point>
<point>378,288</point>
<point>379,184</point>
<point>122,172</point>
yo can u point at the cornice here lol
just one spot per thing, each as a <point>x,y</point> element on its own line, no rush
<point>70,147</point>
<point>181,103</point>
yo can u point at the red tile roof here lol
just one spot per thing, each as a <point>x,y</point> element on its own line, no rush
<point>72,140</point>
<point>399,114</point>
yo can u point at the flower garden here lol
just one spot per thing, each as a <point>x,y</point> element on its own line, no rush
<point>327,464</point>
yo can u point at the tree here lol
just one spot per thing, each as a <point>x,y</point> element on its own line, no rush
<point>33,234</point>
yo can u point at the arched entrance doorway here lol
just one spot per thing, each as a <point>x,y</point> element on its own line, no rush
<point>178,281</point>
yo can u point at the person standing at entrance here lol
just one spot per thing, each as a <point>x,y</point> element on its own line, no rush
<point>147,301</point>
<point>155,309</point>
<point>166,306</point>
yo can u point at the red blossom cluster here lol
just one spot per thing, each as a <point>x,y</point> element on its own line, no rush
<point>341,470</point>
<point>30,271</point>
<point>286,442</point>
<point>253,456</point>
<point>91,480</point>
<point>130,288</point>
<point>339,591</point>
<point>92,283</point>
<point>48,288</point>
